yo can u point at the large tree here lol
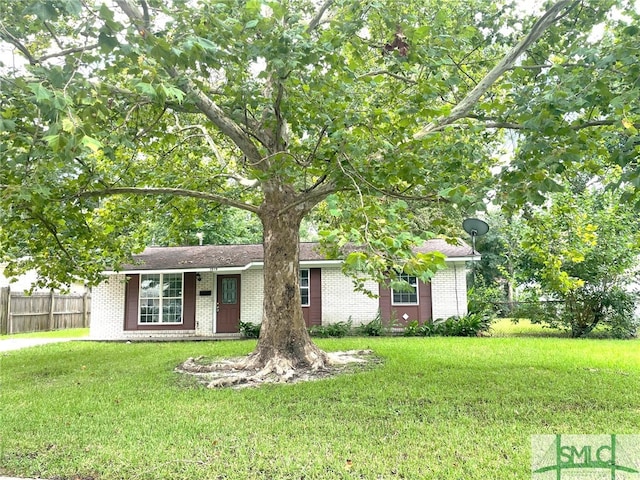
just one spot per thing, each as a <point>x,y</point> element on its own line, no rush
<point>272,107</point>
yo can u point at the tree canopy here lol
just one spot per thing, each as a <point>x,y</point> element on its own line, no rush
<point>275,106</point>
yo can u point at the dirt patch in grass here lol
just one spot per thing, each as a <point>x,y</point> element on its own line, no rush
<point>233,373</point>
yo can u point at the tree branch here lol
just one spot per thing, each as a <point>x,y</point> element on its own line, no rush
<point>169,191</point>
<point>388,193</point>
<point>132,11</point>
<point>6,35</point>
<point>492,123</point>
<point>53,35</point>
<point>386,72</point>
<point>153,123</point>
<point>207,106</point>
<point>464,107</point>
<point>315,149</point>
<point>309,200</point>
<point>67,51</point>
<point>459,67</point>
<point>315,21</point>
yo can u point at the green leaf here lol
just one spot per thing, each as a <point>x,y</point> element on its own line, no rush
<point>68,125</point>
<point>91,143</point>
<point>206,44</point>
<point>107,42</point>
<point>42,94</point>
<point>73,7</point>
<point>7,125</point>
<point>146,89</point>
<point>44,10</point>
<point>174,93</point>
<point>54,141</point>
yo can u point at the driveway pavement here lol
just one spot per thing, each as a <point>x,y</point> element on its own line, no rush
<point>18,343</point>
<point>15,478</point>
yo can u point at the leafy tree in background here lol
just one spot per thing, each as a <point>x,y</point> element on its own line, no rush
<point>274,107</point>
<point>582,250</point>
<point>494,277</point>
<point>185,219</point>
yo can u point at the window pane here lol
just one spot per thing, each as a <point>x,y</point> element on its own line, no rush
<point>172,285</point>
<point>407,297</point>
<point>304,287</point>
<point>149,310</point>
<point>229,291</point>
<point>304,278</point>
<point>149,286</point>
<point>172,311</point>
<point>304,295</point>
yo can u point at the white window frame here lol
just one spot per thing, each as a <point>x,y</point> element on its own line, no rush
<point>161,298</point>
<point>307,287</point>
<point>408,278</point>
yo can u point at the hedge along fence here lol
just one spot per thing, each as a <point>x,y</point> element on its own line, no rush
<point>42,311</point>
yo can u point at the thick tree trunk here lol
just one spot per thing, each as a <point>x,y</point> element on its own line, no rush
<point>284,345</point>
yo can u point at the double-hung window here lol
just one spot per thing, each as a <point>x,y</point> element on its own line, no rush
<point>304,287</point>
<point>161,298</point>
<point>406,297</point>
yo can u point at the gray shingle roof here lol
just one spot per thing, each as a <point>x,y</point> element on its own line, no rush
<point>230,256</point>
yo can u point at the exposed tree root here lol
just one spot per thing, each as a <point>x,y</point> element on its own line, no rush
<point>251,371</point>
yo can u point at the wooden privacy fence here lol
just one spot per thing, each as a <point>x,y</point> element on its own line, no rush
<point>42,311</point>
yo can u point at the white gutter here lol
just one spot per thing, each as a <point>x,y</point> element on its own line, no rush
<point>304,264</point>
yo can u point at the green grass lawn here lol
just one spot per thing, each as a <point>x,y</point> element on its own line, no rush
<point>436,408</point>
<point>68,333</point>
<point>504,327</point>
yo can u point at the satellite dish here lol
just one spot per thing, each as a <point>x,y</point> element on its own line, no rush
<point>476,228</point>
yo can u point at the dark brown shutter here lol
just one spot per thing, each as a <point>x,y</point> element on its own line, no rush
<point>315,296</point>
<point>384,303</point>
<point>131,293</point>
<point>426,311</point>
<point>189,301</point>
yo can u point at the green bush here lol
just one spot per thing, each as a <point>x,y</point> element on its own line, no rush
<point>338,329</point>
<point>610,312</point>
<point>250,330</point>
<point>487,300</point>
<point>411,329</point>
<point>470,325</point>
<point>375,328</point>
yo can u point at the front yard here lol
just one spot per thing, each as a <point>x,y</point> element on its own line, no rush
<point>445,408</point>
<point>64,333</point>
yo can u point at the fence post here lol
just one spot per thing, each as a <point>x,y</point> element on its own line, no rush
<point>52,302</point>
<point>5,299</point>
<point>85,308</point>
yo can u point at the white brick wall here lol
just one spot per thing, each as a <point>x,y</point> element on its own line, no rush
<point>339,301</point>
<point>205,304</point>
<point>251,295</point>
<point>449,291</point>
<point>107,309</point>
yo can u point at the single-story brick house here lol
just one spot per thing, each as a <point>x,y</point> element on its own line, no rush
<point>205,291</point>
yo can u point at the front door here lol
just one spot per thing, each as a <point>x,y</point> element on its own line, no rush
<point>228,304</point>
